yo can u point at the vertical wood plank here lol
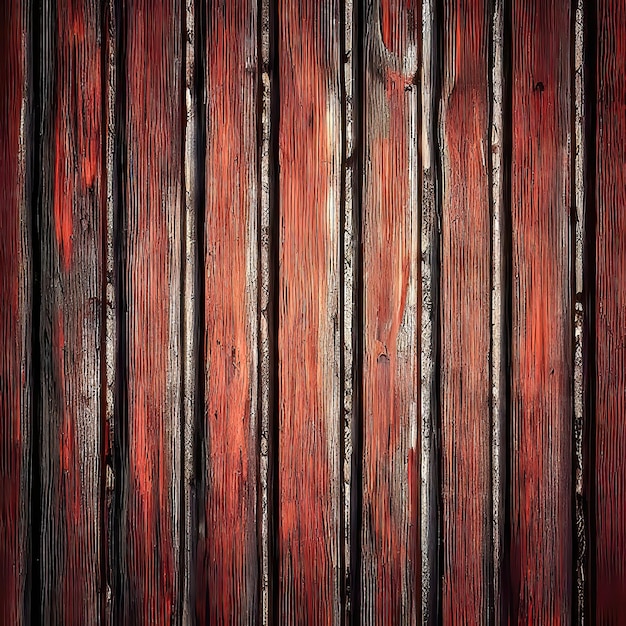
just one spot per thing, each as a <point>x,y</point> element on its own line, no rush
<point>610,314</point>
<point>71,316</point>
<point>309,473</point>
<point>541,370</point>
<point>16,145</point>
<point>391,474</point>
<point>151,484</point>
<point>228,564</point>
<point>466,313</point>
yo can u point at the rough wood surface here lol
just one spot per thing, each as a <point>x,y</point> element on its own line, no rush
<point>309,473</point>
<point>465,314</point>
<point>610,315</point>
<point>152,429</point>
<point>541,370</point>
<point>16,147</point>
<point>391,459</point>
<point>227,582</point>
<point>70,329</point>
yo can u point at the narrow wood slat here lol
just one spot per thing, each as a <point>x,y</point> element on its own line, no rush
<point>309,472</point>
<point>71,315</point>
<point>466,313</point>
<point>541,368</point>
<point>391,459</point>
<point>151,480</point>
<point>610,314</point>
<point>227,584</point>
<point>15,311</point>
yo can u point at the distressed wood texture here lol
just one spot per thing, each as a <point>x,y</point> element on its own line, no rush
<point>391,460</point>
<point>15,311</point>
<point>466,313</point>
<point>151,477</point>
<point>541,368</point>
<point>227,583</point>
<point>610,315</point>
<point>309,477</point>
<point>71,216</point>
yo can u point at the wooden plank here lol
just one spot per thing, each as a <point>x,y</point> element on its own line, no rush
<point>465,313</point>
<point>391,459</point>
<point>542,334</point>
<point>227,585</point>
<point>309,472</point>
<point>610,314</point>
<point>151,481</point>
<point>15,311</point>
<point>71,316</point>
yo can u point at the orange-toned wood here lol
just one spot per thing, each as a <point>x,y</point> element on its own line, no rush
<point>541,350</point>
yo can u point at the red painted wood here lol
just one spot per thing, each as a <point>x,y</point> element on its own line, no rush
<point>308,337</point>
<point>541,368</point>
<point>226,587</point>
<point>390,569</point>
<point>610,314</point>
<point>466,313</point>
<point>15,294</point>
<point>153,212</point>
<point>71,238</point>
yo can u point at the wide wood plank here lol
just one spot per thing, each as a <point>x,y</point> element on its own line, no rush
<point>466,314</point>
<point>151,473</point>
<point>227,584</point>
<point>309,474</point>
<point>610,314</point>
<point>390,570</point>
<point>541,358</point>
<point>71,315</point>
<point>16,147</point>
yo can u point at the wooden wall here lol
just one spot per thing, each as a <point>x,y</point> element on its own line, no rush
<point>312,312</point>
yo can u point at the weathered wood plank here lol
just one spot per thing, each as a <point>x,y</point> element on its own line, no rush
<point>309,472</point>
<point>465,313</point>
<point>70,329</point>
<point>610,314</point>
<point>391,459</point>
<point>541,367</point>
<point>151,480</point>
<point>16,145</point>
<point>227,584</point>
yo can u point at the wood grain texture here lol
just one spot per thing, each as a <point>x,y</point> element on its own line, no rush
<point>151,484</point>
<point>309,473</point>
<point>391,460</point>
<point>610,314</point>
<point>70,330</point>
<point>15,312</point>
<point>541,368</point>
<point>466,314</point>
<point>227,583</point>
